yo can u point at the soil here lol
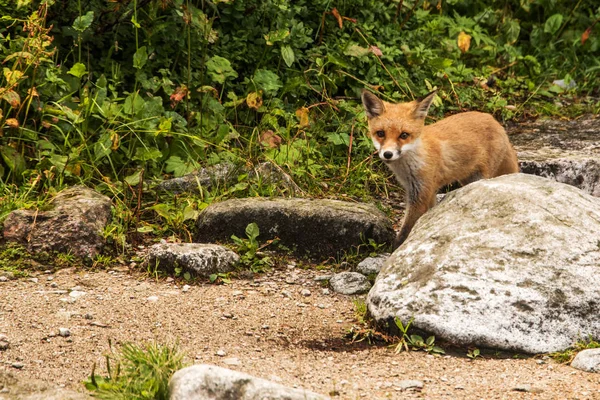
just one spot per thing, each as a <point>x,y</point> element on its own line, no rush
<point>265,326</point>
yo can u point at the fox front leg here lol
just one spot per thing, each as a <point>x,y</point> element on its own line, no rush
<point>414,211</point>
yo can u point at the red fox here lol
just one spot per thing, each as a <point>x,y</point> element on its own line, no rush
<point>462,148</point>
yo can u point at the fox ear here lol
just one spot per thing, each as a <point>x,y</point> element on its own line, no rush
<point>422,106</point>
<point>373,105</point>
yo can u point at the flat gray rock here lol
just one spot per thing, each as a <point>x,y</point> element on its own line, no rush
<point>508,263</point>
<point>587,360</point>
<point>565,151</point>
<point>201,259</point>
<point>372,265</point>
<point>317,227</point>
<point>350,283</point>
<point>201,382</point>
<point>74,224</point>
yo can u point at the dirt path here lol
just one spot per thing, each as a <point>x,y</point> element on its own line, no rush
<point>266,328</point>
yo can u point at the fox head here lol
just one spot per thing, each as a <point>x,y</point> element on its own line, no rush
<point>395,128</point>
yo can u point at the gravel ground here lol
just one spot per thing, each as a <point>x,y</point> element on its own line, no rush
<point>267,327</point>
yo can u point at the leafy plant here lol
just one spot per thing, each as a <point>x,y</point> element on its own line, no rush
<point>137,372</point>
<point>473,353</point>
<point>415,342</point>
<point>567,355</point>
<point>249,250</point>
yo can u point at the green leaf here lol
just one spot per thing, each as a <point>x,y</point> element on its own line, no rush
<point>219,69</point>
<point>288,55</point>
<point>511,30</point>
<point>356,51</point>
<point>102,147</point>
<point>13,159</point>
<point>134,22</point>
<point>133,103</point>
<point>134,179</point>
<point>83,21</point>
<point>147,154</point>
<point>276,36</point>
<point>140,57</point>
<point>78,70</point>
<point>252,231</point>
<point>178,167</point>
<point>553,24</point>
<point>267,80</point>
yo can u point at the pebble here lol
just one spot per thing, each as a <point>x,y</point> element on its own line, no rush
<point>169,279</point>
<point>526,388</point>
<point>321,278</point>
<point>227,315</point>
<point>64,332</point>
<point>34,280</point>
<point>410,384</point>
<point>286,293</point>
<point>17,365</point>
<point>3,279</point>
<point>232,361</point>
<point>4,343</point>
<point>76,294</point>
<point>305,292</point>
<point>325,291</point>
<point>185,288</point>
<point>152,298</point>
<point>54,285</point>
<point>221,353</point>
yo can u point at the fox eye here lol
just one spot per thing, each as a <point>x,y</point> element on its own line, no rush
<point>380,134</point>
<point>404,135</point>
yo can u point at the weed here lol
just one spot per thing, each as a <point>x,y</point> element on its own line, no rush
<point>250,251</point>
<point>137,372</point>
<point>220,278</point>
<point>567,355</point>
<point>473,353</point>
<point>415,342</point>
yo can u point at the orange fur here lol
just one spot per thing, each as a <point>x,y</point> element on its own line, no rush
<point>462,148</point>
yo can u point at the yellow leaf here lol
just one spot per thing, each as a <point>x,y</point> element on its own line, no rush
<point>12,122</point>
<point>254,99</point>
<point>464,42</point>
<point>302,114</point>
<point>12,76</point>
<point>114,137</point>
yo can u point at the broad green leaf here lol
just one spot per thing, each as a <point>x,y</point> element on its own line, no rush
<point>511,30</point>
<point>176,166</point>
<point>147,154</point>
<point>83,21</point>
<point>13,159</point>
<point>553,24</point>
<point>133,103</point>
<point>268,81</point>
<point>356,51</point>
<point>134,179</point>
<point>78,70</point>
<point>288,55</point>
<point>219,69</point>
<point>140,57</point>
<point>252,231</point>
<point>102,147</point>
<point>276,36</point>
<point>190,213</point>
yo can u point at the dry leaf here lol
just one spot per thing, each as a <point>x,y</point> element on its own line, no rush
<point>12,122</point>
<point>114,137</point>
<point>270,139</point>
<point>254,99</point>
<point>12,97</point>
<point>302,114</point>
<point>375,50</point>
<point>337,16</point>
<point>586,35</point>
<point>464,42</point>
<point>46,124</point>
<point>178,95</point>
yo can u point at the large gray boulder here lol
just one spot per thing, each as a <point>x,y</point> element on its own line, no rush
<point>318,227</point>
<point>74,223</point>
<point>200,382</point>
<point>565,151</point>
<point>508,263</point>
<point>201,259</point>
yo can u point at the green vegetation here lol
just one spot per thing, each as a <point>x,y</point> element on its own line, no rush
<point>137,373</point>
<point>111,94</point>
<point>570,353</point>
<point>250,251</point>
<point>415,342</point>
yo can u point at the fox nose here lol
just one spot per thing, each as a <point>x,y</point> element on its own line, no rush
<point>387,155</point>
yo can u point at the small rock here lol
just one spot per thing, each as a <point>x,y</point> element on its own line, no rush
<point>587,360</point>
<point>17,365</point>
<point>232,361</point>
<point>3,279</point>
<point>76,294</point>
<point>227,315</point>
<point>410,384</point>
<point>305,292</point>
<point>88,316</point>
<point>526,388</point>
<point>325,291</point>
<point>64,332</point>
<point>321,278</point>
<point>349,283</point>
<point>152,299</point>
<point>4,342</point>
<point>54,285</point>
<point>221,353</point>
<point>169,280</point>
<point>372,265</point>
<point>185,288</point>
<point>34,280</point>
<point>287,294</point>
